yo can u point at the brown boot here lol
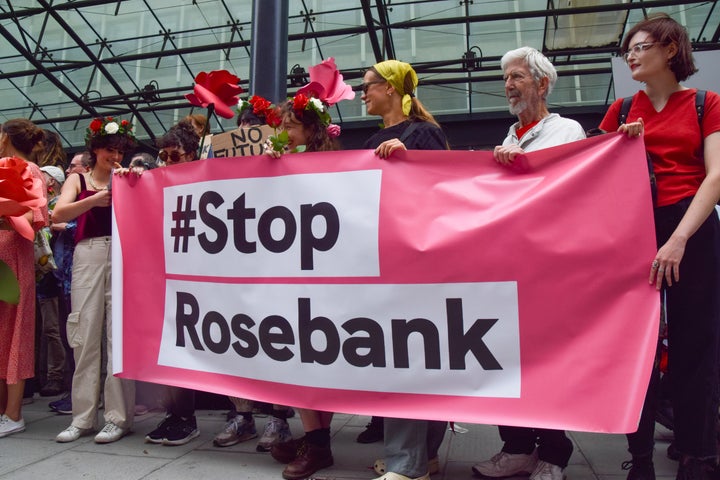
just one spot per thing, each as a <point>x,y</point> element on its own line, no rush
<point>286,452</point>
<point>310,459</point>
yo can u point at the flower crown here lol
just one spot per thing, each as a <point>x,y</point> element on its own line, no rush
<point>262,108</point>
<point>100,127</point>
<point>302,103</point>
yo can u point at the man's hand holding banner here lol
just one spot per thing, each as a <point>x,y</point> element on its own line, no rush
<point>435,285</point>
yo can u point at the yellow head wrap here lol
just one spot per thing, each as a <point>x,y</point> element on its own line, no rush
<point>395,72</point>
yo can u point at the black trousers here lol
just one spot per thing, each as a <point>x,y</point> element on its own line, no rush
<point>553,445</point>
<point>693,317</point>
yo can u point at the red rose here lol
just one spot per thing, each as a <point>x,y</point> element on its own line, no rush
<point>299,103</point>
<point>273,117</point>
<point>219,88</point>
<point>124,123</point>
<point>259,104</point>
<point>96,125</point>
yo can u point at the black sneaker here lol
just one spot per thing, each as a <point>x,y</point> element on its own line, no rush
<point>181,432</point>
<point>157,435</point>
<point>63,406</point>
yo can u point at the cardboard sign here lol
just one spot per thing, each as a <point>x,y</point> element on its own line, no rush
<point>242,142</point>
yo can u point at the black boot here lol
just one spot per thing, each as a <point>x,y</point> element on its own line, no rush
<point>641,468</point>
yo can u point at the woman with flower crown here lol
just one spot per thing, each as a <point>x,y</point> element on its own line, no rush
<point>20,139</point>
<point>388,91</point>
<point>87,198</point>
<point>307,127</point>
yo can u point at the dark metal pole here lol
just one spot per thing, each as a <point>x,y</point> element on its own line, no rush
<point>268,49</point>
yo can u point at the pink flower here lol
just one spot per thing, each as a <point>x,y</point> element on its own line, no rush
<point>333,130</point>
<point>219,88</point>
<point>326,83</point>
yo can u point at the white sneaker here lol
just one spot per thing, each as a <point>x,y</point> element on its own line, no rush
<point>276,431</point>
<point>111,433</point>
<point>8,426</point>
<point>397,476</point>
<point>507,465</point>
<point>547,471</point>
<point>72,433</point>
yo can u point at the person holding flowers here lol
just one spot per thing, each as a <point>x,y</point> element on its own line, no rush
<point>86,197</point>
<point>19,139</point>
<point>307,127</point>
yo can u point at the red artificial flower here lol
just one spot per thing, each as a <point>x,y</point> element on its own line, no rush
<point>273,117</point>
<point>299,103</point>
<point>124,123</point>
<point>219,88</point>
<point>259,104</point>
<point>19,192</point>
<point>96,125</point>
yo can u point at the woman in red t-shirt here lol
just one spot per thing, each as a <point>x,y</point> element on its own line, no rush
<point>686,162</point>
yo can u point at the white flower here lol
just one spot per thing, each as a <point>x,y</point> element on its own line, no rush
<point>111,128</point>
<point>243,104</point>
<point>317,103</point>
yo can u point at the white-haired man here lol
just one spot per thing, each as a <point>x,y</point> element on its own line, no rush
<point>529,78</point>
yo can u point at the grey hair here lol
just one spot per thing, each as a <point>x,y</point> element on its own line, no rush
<point>538,64</point>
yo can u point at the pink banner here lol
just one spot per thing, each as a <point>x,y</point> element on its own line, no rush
<point>436,285</point>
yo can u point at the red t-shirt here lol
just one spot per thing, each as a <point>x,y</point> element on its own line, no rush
<point>672,137</point>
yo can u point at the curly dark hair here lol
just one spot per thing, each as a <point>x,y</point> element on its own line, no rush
<point>664,29</point>
<point>182,135</point>
<point>121,143</point>
<point>319,140</point>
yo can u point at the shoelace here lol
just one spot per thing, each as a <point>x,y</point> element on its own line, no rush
<point>109,427</point>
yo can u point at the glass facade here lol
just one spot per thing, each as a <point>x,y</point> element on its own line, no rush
<point>63,62</point>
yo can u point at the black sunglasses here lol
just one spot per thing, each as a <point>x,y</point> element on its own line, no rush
<point>174,156</point>
<point>366,85</point>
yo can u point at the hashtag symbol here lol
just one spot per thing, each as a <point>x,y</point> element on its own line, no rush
<point>183,217</point>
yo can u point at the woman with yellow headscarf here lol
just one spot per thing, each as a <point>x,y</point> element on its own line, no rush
<point>389,91</point>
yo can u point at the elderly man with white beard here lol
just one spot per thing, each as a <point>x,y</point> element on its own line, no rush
<point>529,78</point>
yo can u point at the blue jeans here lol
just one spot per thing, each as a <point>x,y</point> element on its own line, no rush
<point>409,444</point>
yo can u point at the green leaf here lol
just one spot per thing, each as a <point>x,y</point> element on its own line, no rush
<point>299,149</point>
<point>280,141</point>
<point>9,288</point>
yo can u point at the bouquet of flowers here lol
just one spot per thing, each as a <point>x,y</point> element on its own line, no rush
<point>102,126</point>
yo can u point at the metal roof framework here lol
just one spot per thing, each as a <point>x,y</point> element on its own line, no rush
<point>65,62</point>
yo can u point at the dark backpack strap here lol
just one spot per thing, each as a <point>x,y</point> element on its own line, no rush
<point>700,107</point>
<point>624,110</point>
<point>408,131</point>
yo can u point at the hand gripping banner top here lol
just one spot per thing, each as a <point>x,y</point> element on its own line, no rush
<point>434,284</point>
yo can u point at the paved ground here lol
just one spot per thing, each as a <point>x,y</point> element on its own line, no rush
<point>34,454</point>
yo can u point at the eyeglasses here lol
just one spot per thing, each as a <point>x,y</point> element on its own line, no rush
<point>174,156</point>
<point>640,47</point>
<point>366,85</point>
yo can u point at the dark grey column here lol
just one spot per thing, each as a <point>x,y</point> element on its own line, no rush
<point>268,49</point>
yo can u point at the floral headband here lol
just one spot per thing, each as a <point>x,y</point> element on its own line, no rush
<point>100,127</point>
<point>302,103</point>
<point>262,108</point>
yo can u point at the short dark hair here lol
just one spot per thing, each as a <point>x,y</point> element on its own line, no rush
<point>663,29</point>
<point>182,135</point>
